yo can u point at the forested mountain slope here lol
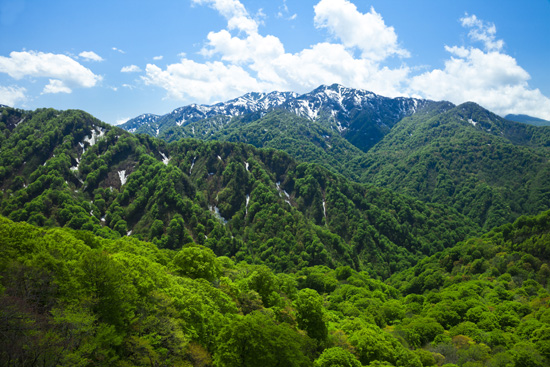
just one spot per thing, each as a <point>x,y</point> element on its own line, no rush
<point>490,169</point>
<point>304,139</point>
<point>69,169</point>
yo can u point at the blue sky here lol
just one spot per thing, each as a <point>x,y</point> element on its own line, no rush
<point>117,59</point>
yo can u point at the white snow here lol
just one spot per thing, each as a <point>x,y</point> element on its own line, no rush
<point>472,122</point>
<point>157,132</point>
<point>95,136</point>
<point>339,126</point>
<point>217,214</point>
<point>20,121</point>
<point>192,164</point>
<point>165,159</point>
<point>246,166</point>
<point>193,129</point>
<point>122,175</point>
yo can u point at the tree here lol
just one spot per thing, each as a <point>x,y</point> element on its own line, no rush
<point>255,340</point>
<point>196,261</point>
<point>336,357</point>
<point>310,314</point>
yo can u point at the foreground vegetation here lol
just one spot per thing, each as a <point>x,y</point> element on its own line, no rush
<point>71,298</point>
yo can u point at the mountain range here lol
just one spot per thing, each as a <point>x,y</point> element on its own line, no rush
<point>361,117</point>
<point>434,151</point>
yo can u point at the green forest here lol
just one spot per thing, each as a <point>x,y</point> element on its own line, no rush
<point>120,249</point>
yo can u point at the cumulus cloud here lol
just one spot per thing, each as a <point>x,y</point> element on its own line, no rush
<point>118,50</point>
<point>234,11</point>
<point>90,56</point>
<point>11,96</point>
<point>367,32</point>
<point>157,58</point>
<point>130,69</point>
<point>483,32</point>
<point>488,77</point>
<point>245,60</point>
<point>202,81</point>
<point>66,72</point>
<point>56,86</point>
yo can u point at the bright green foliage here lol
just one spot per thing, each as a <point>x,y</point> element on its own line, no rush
<point>195,261</point>
<point>336,357</point>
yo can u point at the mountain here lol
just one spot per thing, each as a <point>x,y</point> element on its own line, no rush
<point>244,105</point>
<point>361,117</point>
<point>66,168</point>
<point>526,119</point>
<point>148,120</point>
<point>488,168</point>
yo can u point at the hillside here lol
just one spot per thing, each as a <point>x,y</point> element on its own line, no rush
<point>488,168</point>
<point>69,169</point>
<point>303,139</point>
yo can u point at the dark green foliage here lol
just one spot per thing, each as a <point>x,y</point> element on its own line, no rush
<point>490,169</point>
<point>256,340</point>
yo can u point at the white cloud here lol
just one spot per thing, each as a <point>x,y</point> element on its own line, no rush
<point>250,61</point>
<point>235,13</point>
<point>210,81</point>
<point>56,86</point>
<point>483,32</point>
<point>157,58</point>
<point>10,96</point>
<point>118,50</point>
<point>90,56</point>
<point>490,78</point>
<point>367,32</point>
<point>130,69</point>
<point>121,121</point>
<point>59,67</point>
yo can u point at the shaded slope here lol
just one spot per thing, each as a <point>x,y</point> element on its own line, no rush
<point>488,168</point>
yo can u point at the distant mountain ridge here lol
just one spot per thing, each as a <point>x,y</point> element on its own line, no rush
<point>526,119</point>
<point>360,116</point>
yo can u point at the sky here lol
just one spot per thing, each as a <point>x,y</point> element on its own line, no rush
<point>117,59</point>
